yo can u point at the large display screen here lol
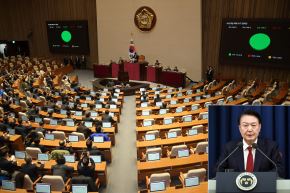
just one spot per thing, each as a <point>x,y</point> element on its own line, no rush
<point>69,37</point>
<point>255,41</point>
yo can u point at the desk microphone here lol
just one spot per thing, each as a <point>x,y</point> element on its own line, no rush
<point>254,145</point>
<point>240,144</point>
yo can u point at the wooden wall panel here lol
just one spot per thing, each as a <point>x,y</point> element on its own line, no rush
<point>20,18</point>
<point>212,13</point>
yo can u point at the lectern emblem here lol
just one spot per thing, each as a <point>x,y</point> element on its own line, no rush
<point>246,181</point>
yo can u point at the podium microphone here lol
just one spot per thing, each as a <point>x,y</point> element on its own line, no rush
<point>240,144</point>
<point>254,145</point>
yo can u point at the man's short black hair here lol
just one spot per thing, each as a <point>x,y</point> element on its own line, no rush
<point>252,113</point>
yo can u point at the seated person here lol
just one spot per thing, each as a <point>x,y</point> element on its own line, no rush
<point>83,129</point>
<point>175,69</point>
<point>99,133</point>
<point>7,163</point>
<point>157,99</point>
<point>106,117</point>
<point>60,169</point>
<point>30,168</point>
<point>61,150</point>
<point>86,166</point>
<point>36,143</point>
<point>93,150</point>
<point>88,117</point>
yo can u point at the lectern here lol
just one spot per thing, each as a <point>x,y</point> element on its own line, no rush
<point>237,182</point>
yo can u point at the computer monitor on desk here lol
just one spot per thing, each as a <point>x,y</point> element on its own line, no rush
<point>157,186</point>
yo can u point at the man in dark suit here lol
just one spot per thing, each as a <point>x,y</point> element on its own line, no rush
<point>30,168</point>
<point>247,158</point>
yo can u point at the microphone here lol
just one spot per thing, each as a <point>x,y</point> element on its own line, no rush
<point>240,144</point>
<point>254,145</point>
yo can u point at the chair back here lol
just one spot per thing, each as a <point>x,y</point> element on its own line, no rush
<point>154,150</point>
<point>161,177</point>
<point>27,183</point>
<point>200,173</point>
<point>154,132</point>
<point>59,135</point>
<point>176,148</point>
<point>201,147</point>
<point>177,130</point>
<point>56,182</point>
<point>33,152</point>
<point>80,135</point>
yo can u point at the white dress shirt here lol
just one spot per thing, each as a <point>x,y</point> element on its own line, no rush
<point>246,152</point>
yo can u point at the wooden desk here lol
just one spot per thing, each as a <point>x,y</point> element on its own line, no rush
<point>202,188</point>
<point>143,145</point>
<point>140,131</point>
<point>237,102</point>
<point>16,141</point>
<point>197,86</point>
<point>172,165</point>
<point>100,168</point>
<point>105,147</point>
<point>216,87</point>
<point>202,101</point>
<point>18,190</point>
<point>141,118</point>
<point>235,90</point>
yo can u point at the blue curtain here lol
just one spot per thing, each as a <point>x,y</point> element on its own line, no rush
<point>223,127</point>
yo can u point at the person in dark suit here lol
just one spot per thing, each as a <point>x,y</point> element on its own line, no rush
<point>209,74</point>
<point>30,168</point>
<point>107,117</point>
<point>60,169</point>
<point>86,166</point>
<point>247,158</point>
<point>83,129</point>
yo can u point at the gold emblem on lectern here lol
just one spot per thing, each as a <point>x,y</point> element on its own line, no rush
<point>145,18</point>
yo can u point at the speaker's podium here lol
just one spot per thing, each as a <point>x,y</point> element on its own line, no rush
<point>257,182</point>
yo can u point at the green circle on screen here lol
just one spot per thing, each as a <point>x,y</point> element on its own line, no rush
<point>66,36</point>
<point>260,41</point>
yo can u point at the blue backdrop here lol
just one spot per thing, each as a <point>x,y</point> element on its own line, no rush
<point>224,127</point>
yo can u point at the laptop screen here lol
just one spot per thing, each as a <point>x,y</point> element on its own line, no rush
<point>149,137</point>
<point>78,113</point>
<point>117,90</point>
<point>179,110</point>
<point>94,114</point>
<point>158,104</point>
<point>194,107</point>
<point>49,136</point>
<point>116,94</point>
<point>8,185</point>
<point>172,134</point>
<point>43,157</point>
<point>71,105</point>
<point>168,96</point>
<point>53,122</point>
<point>144,104</point>
<point>115,100</point>
<point>204,116</point>
<point>11,131</point>
<point>20,154</point>
<point>183,153</point>
<point>84,105</point>
<point>98,106</point>
<point>88,98</point>
<point>113,106</point>
<point>73,138</point>
<point>157,186</point>
<point>162,111</point>
<point>42,188</point>
<point>192,132</point>
<point>96,158</point>
<point>186,100</point>
<point>167,121</point>
<point>153,156</point>
<point>179,94</point>
<point>38,119</point>
<point>79,188</point>
<point>194,181</point>
<point>187,118</point>
<point>147,122</point>
<point>98,139</point>
<point>24,118</point>
<point>88,124</point>
<point>106,124</point>
<point>189,92</point>
<point>173,102</point>
<point>69,158</point>
<point>197,98</point>
<point>145,113</point>
<point>102,99</point>
<point>70,124</point>
<point>63,112</point>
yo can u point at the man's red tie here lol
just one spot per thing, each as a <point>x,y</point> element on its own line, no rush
<point>250,161</point>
